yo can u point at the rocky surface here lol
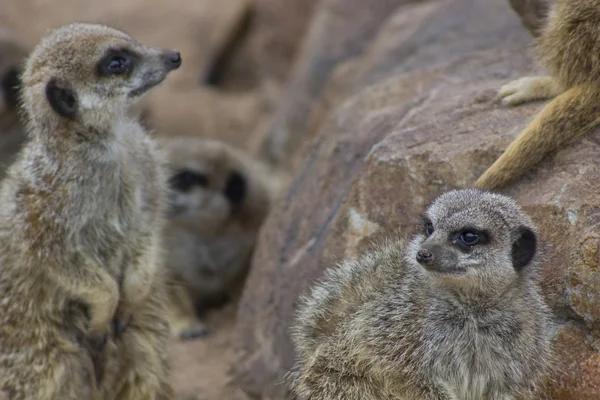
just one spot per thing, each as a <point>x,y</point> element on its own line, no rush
<point>410,110</point>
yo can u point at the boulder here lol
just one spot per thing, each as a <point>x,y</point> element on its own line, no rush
<point>412,113</point>
<point>277,34</point>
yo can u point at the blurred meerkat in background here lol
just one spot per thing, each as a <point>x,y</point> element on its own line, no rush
<point>219,199</point>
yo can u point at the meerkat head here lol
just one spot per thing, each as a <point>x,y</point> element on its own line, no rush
<point>208,185</point>
<point>474,238</point>
<point>90,74</point>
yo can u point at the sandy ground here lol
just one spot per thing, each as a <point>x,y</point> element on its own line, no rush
<point>201,367</point>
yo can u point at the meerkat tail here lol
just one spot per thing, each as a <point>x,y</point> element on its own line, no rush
<point>565,119</point>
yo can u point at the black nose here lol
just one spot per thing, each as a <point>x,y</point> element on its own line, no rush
<point>424,256</point>
<point>174,58</point>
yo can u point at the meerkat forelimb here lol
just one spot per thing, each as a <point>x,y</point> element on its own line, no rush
<point>568,117</point>
<point>567,47</point>
<point>219,199</point>
<point>454,314</point>
<point>83,213</point>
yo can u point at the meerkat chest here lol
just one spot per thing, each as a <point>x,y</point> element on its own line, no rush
<point>471,359</point>
<point>140,185</point>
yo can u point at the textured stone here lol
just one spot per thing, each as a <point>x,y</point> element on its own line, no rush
<point>278,31</point>
<point>420,116</point>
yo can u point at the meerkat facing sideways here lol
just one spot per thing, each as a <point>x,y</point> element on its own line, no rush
<point>568,46</point>
<point>81,222</point>
<point>454,314</point>
<point>219,200</point>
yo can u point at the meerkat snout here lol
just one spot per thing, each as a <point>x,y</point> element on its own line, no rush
<point>173,59</point>
<point>424,256</point>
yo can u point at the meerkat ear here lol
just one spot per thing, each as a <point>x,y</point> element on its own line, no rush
<point>524,248</point>
<point>10,86</point>
<point>62,99</point>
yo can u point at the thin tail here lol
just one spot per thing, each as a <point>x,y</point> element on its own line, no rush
<point>566,118</point>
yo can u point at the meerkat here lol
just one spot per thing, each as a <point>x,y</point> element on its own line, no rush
<point>454,314</point>
<point>568,47</point>
<point>81,222</point>
<point>12,135</point>
<point>219,198</point>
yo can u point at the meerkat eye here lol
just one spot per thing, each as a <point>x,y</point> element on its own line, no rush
<point>115,64</point>
<point>185,180</point>
<point>429,229</point>
<point>470,238</point>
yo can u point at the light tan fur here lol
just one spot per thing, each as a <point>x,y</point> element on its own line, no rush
<point>433,319</point>
<point>219,199</point>
<point>568,46</point>
<point>81,224</point>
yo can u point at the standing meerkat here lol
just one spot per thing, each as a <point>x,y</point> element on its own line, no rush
<point>219,200</point>
<point>81,221</point>
<point>453,315</point>
<point>568,46</point>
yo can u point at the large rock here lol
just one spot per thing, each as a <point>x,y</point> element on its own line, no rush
<point>421,116</point>
<point>278,31</point>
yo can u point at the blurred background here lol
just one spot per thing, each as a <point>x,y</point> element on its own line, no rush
<point>372,108</point>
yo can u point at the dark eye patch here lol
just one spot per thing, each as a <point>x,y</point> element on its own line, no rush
<point>235,188</point>
<point>185,180</point>
<point>10,86</point>
<point>467,238</point>
<point>116,62</point>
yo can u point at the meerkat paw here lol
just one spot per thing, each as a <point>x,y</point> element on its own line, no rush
<point>529,88</point>
<point>101,316</point>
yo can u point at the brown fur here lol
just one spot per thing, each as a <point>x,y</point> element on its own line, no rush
<point>569,48</point>
<point>213,225</point>
<point>469,324</point>
<point>80,227</point>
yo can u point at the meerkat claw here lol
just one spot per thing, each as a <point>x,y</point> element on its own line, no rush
<point>195,333</point>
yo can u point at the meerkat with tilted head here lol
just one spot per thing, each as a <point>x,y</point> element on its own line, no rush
<point>454,314</point>
<point>568,46</point>
<point>219,198</point>
<point>81,221</point>
<point>12,135</point>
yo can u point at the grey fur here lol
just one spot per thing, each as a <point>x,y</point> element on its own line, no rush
<point>381,326</point>
<point>80,230</point>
